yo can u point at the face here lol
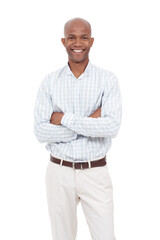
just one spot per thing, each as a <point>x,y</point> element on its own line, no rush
<point>77,41</point>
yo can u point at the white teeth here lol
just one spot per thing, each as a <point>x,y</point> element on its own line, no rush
<point>77,51</point>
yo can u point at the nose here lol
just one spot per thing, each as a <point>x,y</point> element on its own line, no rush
<point>77,42</point>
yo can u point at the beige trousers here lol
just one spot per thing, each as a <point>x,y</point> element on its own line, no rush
<point>67,187</point>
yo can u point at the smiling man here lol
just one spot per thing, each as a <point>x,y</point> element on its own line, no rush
<point>77,113</point>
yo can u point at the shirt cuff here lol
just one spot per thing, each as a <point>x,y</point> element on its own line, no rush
<point>68,119</point>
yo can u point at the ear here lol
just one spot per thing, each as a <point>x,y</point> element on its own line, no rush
<point>92,40</point>
<point>63,40</point>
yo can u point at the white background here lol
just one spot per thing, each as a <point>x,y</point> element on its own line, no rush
<point>127,42</point>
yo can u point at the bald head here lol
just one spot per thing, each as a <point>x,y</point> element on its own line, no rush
<point>75,23</point>
<point>77,40</point>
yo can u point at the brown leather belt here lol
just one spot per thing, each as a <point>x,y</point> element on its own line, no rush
<point>78,165</point>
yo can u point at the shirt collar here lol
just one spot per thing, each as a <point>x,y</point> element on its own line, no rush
<point>85,73</point>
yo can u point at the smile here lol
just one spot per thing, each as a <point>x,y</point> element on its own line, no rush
<point>78,51</point>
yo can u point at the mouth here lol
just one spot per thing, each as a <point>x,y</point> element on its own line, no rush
<point>78,51</point>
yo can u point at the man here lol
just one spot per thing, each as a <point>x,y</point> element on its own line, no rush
<point>77,113</point>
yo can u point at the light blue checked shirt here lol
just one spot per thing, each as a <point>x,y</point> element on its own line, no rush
<point>79,138</point>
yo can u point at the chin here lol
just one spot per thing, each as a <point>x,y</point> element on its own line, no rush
<point>78,60</point>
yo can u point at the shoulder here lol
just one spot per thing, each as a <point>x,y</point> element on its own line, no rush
<point>107,76</point>
<point>50,77</point>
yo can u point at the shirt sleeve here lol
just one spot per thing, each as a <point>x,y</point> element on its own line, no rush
<point>105,126</point>
<point>43,129</point>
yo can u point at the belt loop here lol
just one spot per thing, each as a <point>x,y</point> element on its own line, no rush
<point>61,162</point>
<point>89,164</point>
<point>81,166</point>
<point>73,165</point>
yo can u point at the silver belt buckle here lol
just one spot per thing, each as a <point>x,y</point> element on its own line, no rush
<point>73,165</point>
<point>81,164</point>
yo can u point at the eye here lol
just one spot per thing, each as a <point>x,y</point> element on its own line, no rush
<point>71,38</point>
<point>84,37</point>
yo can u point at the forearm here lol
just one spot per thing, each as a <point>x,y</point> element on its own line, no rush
<point>91,127</point>
<point>47,132</point>
<point>56,117</point>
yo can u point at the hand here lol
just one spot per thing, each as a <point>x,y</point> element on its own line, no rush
<point>96,114</point>
<point>56,118</point>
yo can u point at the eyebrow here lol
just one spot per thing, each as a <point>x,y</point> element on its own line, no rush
<point>71,34</point>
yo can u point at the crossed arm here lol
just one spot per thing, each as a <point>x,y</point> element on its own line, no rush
<point>104,122</point>
<point>59,127</point>
<point>56,117</point>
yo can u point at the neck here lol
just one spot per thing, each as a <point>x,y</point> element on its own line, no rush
<point>78,68</point>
